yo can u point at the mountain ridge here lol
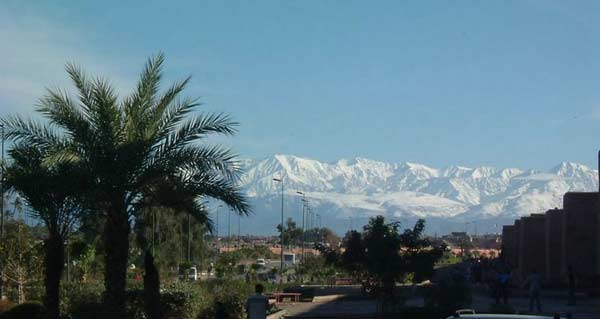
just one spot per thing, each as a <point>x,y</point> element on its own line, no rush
<point>447,197</point>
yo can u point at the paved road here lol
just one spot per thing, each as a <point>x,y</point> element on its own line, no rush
<point>332,307</point>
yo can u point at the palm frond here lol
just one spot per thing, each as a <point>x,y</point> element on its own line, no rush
<point>83,86</point>
<point>60,109</point>
<point>198,128</point>
<point>33,133</point>
<point>169,96</point>
<point>221,188</point>
<point>173,115</point>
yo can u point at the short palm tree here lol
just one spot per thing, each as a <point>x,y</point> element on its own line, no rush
<point>126,146</point>
<point>50,190</point>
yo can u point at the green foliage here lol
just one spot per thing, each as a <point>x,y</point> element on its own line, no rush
<point>5,305</point>
<point>229,301</point>
<point>80,299</point>
<point>132,153</point>
<point>255,252</point>
<point>381,256</point>
<point>292,235</point>
<point>23,259</point>
<point>226,264</point>
<point>25,311</point>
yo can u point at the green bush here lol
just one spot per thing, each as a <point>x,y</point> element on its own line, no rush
<point>25,311</point>
<point>89,310</point>
<point>229,300</point>
<point>5,305</point>
<point>184,300</point>
<point>78,298</point>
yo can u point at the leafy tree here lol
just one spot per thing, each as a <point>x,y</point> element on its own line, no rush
<point>21,255</point>
<point>128,148</point>
<point>50,190</point>
<point>380,256</point>
<point>292,235</point>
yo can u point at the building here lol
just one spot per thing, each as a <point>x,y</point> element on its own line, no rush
<point>556,240</point>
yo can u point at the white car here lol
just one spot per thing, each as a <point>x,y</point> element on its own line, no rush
<point>261,262</point>
<point>473,315</point>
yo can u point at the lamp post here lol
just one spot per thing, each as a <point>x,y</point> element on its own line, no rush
<point>229,231</point>
<point>218,242</point>
<point>280,181</point>
<point>304,203</point>
<point>189,239</point>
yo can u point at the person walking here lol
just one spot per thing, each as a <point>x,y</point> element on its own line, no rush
<point>503,281</point>
<point>257,304</point>
<point>534,280</point>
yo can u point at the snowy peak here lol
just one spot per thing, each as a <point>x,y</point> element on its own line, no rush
<point>570,169</point>
<point>363,187</point>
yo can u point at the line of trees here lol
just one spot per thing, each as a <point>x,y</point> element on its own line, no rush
<point>106,162</point>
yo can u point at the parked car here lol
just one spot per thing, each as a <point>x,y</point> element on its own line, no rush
<point>467,313</point>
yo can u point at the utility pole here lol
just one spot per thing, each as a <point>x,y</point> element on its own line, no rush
<point>280,181</point>
<point>228,231</point>
<point>218,241</point>
<point>239,231</point>
<point>189,246</point>
<point>304,204</point>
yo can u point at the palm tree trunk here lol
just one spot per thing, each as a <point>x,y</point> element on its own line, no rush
<point>151,287</point>
<point>54,267</point>
<point>116,253</point>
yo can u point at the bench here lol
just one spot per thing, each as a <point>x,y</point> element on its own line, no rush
<point>293,296</point>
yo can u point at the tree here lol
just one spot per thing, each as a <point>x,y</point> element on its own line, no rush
<point>50,191</point>
<point>380,256</point>
<point>292,235</point>
<point>21,253</point>
<point>128,146</point>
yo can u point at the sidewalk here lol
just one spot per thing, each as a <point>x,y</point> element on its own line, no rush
<point>552,302</point>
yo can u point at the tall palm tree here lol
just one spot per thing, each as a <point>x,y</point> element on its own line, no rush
<point>128,145</point>
<point>50,191</point>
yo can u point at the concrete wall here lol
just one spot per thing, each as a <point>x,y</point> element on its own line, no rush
<point>552,241</point>
<point>554,229</point>
<point>532,247</point>
<point>509,244</point>
<point>582,236</point>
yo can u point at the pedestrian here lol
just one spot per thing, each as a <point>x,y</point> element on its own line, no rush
<point>257,304</point>
<point>503,281</point>
<point>572,286</point>
<point>534,280</point>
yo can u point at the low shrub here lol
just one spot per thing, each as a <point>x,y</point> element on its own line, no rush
<point>89,310</point>
<point>228,301</point>
<point>77,298</point>
<point>5,305</point>
<point>25,311</point>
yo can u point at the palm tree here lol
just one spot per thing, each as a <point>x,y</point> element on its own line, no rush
<point>128,145</point>
<point>50,191</point>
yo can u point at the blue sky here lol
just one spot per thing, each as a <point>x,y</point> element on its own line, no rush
<point>504,83</point>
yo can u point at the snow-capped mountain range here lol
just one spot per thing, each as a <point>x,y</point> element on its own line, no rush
<point>347,192</point>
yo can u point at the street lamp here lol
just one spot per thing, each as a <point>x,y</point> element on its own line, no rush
<point>229,231</point>
<point>304,203</point>
<point>218,242</point>
<point>280,181</point>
